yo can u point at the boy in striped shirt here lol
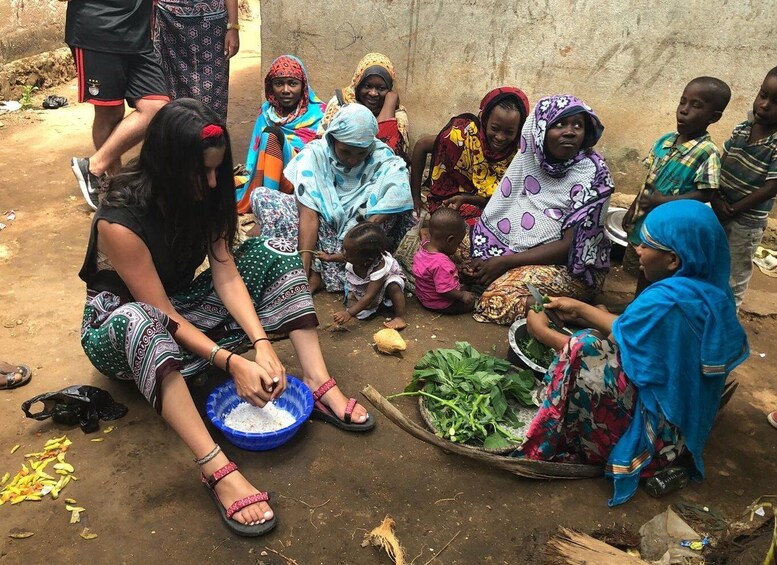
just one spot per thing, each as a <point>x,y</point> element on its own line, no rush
<point>748,184</point>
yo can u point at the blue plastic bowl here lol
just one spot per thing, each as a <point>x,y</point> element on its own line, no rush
<point>297,399</point>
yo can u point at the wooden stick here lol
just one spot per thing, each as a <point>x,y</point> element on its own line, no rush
<point>435,556</point>
<point>518,466</point>
<point>288,560</point>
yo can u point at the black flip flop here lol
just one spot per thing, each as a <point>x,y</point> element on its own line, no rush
<point>12,381</point>
<point>54,102</point>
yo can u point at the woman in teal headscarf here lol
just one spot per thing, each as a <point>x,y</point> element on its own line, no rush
<point>347,177</point>
<point>644,387</point>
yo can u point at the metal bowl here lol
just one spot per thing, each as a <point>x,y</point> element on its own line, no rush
<point>518,332</point>
<point>613,225</point>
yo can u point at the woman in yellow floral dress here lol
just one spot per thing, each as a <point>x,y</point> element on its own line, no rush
<point>373,86</point>
<point>470,154</point>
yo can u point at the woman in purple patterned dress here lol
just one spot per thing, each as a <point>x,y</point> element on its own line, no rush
<point>544,225</point>
<point>195,41</point>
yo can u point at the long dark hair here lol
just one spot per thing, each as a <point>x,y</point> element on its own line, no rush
<point>170,174</point>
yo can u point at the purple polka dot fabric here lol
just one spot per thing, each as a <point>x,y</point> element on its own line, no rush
<point>539,199</point>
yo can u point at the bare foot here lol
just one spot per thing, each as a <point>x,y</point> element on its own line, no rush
<point>233,487</point>
<point>336,401</point>
<point>396,323</point>
<point>315,282</point>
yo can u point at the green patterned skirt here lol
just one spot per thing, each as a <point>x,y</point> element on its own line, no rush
<point>135,341</point>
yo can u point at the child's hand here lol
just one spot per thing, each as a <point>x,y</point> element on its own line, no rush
<point>328,257</point>
<point>342,317</point>
<point>722,209</point>
<point>468,299</point>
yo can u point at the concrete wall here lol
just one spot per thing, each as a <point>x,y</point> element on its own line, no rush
<point>30,27</point>
<point>629,59</point>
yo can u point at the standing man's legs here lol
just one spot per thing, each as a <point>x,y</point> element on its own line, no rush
<point>106,80</point>
<point>106,118</point>
<point>123,137</point>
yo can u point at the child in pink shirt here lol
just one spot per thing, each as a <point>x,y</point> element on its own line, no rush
<point>437,283</point>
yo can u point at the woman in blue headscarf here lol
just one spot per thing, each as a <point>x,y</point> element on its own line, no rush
<point>642,388</point>
<point>347,177</point>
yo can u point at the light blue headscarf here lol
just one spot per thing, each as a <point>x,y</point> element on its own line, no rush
<point>344,195</point>
<point>678,340</point>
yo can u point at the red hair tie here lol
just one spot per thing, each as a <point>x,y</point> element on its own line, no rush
<point>212,130</point>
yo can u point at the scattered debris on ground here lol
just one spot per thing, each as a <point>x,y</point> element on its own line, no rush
<point>33,483</point>
<point>384,537</point>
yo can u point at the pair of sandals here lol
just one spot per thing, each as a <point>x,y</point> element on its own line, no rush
<point>14,376</point>
<point>320,412</point>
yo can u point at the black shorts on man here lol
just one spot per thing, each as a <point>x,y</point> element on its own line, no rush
<point>113,51</point>
<point>107,79</point>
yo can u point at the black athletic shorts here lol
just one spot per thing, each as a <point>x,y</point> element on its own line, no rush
<point>107,79</point>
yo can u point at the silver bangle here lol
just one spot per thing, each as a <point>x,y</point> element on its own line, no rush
<point>216,349</point>
<point>213,452</point>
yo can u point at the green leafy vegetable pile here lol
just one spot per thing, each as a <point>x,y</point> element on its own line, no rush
<point>467,395</point>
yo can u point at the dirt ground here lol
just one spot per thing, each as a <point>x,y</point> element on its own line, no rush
<point>140,487</point>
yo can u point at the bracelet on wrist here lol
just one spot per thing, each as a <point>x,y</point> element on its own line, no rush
<point>236,27</point>
<point>258,339</point>
<point>226,367</point>
<point>213,352</point>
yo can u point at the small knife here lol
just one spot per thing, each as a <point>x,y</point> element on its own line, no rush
<point>552,316</point>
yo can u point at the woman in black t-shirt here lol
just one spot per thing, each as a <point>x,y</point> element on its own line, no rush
<point>148,319</point>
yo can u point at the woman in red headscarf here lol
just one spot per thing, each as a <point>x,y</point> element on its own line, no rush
<point>470,154</point>
<point>288,120</point>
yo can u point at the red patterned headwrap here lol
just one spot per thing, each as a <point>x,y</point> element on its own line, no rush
<point>492,99</point>
<point>286,67</point>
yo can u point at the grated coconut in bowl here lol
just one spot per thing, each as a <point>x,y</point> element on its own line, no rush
<point>251,419</point>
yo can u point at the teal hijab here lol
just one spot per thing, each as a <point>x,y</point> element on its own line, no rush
<point>342,195</point>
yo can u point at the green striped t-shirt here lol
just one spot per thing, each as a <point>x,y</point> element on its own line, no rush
<point>745,167</point>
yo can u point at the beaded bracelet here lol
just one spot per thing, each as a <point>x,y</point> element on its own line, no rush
<point>205,458</point>
<point>226,367</point>
<point>216,349</point>
<point>258,339</point>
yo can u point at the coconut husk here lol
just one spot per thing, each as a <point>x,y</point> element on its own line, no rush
<point>384,537</point>
<point>570,547</point>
